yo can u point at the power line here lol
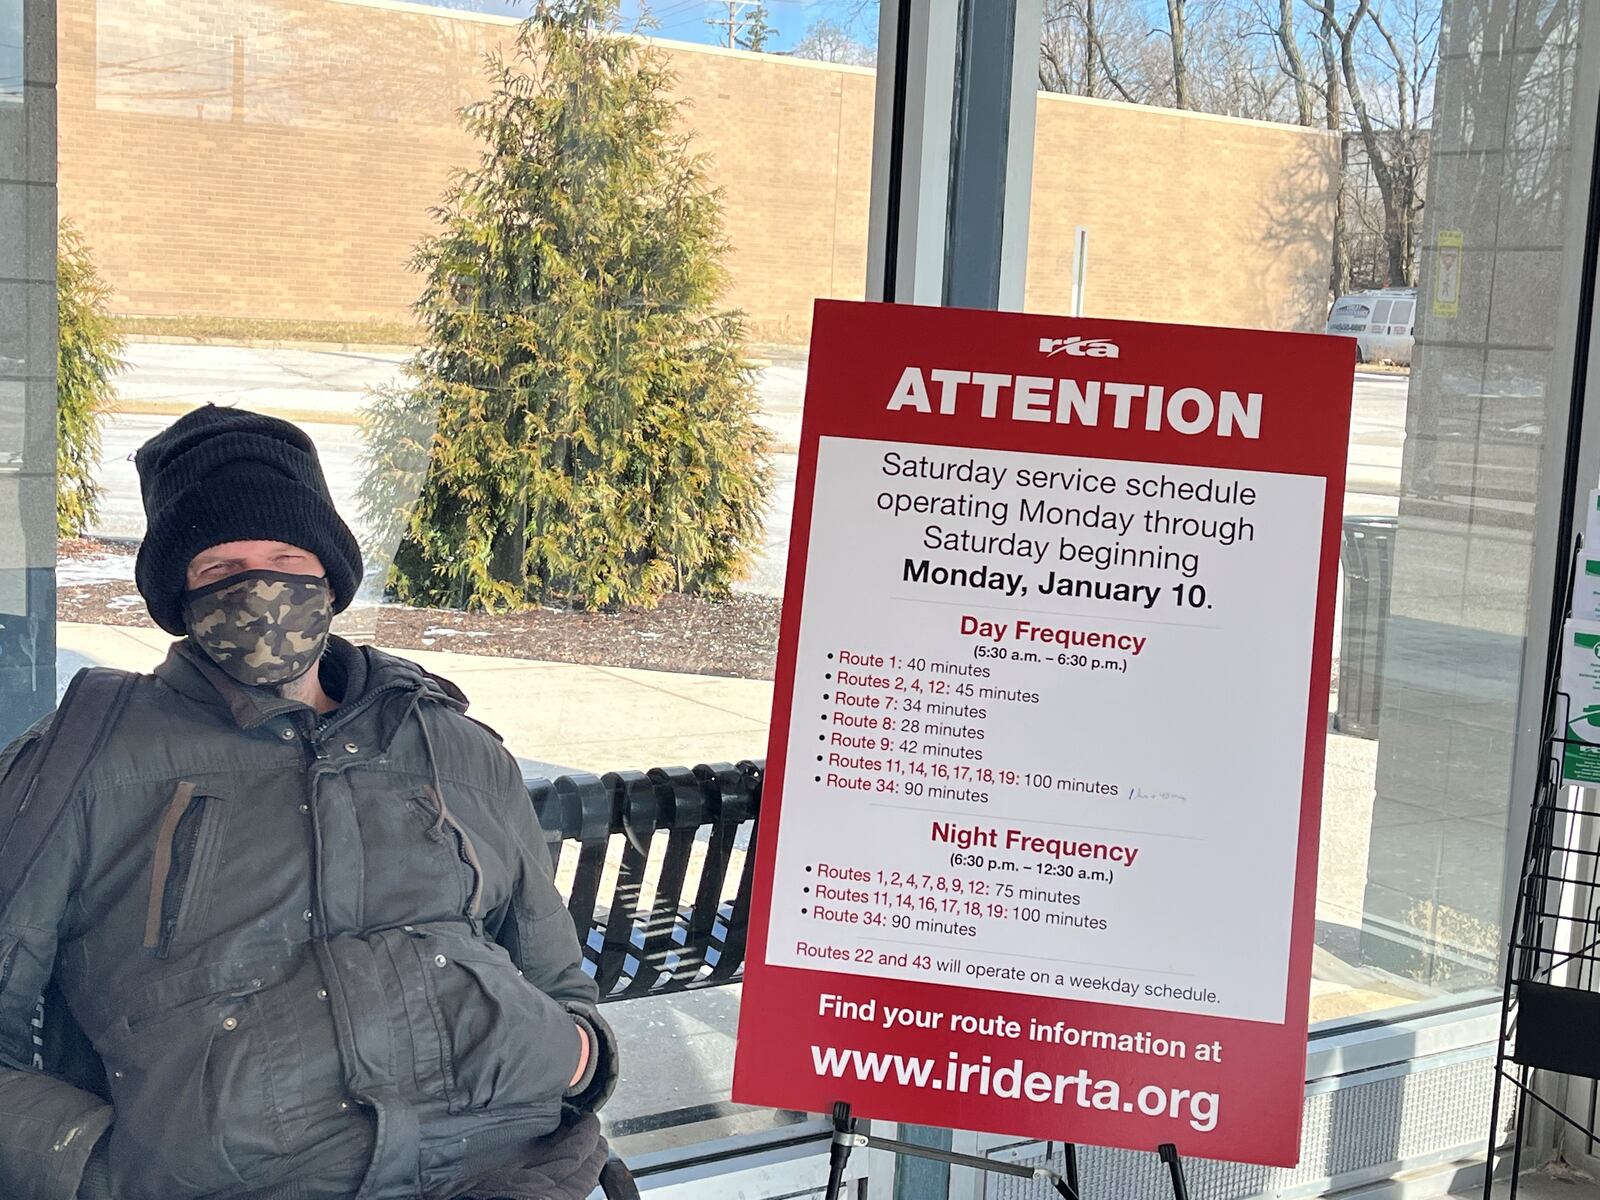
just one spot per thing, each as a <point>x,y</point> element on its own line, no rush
<point>673,10</point>
<point>677,16</point>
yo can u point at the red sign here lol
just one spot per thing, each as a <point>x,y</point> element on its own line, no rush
<point>1037,851</point>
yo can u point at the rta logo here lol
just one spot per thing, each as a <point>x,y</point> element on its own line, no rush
<point>1079,347</point>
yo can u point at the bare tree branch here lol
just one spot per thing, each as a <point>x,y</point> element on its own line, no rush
<point>1292,62</point>
<point>1177,32</point>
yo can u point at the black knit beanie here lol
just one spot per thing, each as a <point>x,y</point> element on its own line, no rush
<point>226,475</point>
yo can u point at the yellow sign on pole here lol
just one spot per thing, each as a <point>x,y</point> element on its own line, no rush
<point>1447,274</point>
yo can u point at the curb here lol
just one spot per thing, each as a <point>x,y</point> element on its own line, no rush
<point>759,355</point>
<point>177,408</point>
<point>244,343</point>
<point>305,416</point>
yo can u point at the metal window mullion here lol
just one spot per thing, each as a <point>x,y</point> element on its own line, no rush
<point>991,157</point>
<point>911,150</point>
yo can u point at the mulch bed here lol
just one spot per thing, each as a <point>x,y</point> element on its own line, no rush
<point>737,637</point>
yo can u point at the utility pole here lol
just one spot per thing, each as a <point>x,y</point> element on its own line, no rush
<point>733,23</point>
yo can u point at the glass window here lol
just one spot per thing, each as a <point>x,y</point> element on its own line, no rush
<point>540,294</point>
<point>552,355</point>
<point>1440,161</point>
<point>27,375</point>
<point>10,50</point>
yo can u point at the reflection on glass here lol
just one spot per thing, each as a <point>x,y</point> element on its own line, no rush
<point>1486,323</point>
<point>10,50</point>
<point>578,431</point>
<point>540,296</point>
<point>1289,225</point>
<point>27,516</point>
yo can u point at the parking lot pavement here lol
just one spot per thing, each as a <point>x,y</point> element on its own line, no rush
<point>323,390</point>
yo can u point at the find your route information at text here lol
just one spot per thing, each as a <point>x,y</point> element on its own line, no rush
<point>1037,853</point>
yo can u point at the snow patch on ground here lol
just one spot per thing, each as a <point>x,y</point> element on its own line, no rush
<point>109,566</point>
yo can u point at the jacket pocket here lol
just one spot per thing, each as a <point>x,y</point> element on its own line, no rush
<point>192,1099</point>
<point>443,826</point>
<point>506,1042</point>
<point>15,760</point>
<point>18,750</point>
<point>185,852</point>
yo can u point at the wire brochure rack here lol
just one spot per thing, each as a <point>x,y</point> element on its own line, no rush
<point>1550,1007</point>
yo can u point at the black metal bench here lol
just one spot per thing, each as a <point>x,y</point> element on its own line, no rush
<point>680,942</point>
<point>692,933</point>
<point>688,831</point>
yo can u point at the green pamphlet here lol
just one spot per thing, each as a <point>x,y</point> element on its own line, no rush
<point>1580,681</point>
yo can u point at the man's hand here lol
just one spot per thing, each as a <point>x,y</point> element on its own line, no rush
<point>583,1055</point>
<point>597,1063</point>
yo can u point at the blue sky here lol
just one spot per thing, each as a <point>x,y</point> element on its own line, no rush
<point>685,20</point>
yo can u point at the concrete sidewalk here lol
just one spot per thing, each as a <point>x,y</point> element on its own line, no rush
<point>556,717</point>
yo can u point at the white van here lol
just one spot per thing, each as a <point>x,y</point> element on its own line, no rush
<point>1381,322</point>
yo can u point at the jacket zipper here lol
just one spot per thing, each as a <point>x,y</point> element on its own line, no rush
<point>186,840</point>
<point>468,854</point>
<point>18,760</point>
<point>316,741</point>
<point>344,714</point>
<point>176,842</point>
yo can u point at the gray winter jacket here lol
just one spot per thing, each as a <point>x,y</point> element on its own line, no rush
<point>320,959</point>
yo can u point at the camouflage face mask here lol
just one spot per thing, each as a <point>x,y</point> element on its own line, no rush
<point>262,627</point>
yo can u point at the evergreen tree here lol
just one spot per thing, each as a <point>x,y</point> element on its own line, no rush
<point>758,31</point>
<point>581,411</point>
<point>88,354</point>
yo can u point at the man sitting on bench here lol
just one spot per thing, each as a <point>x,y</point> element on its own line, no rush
<point>296,900</point>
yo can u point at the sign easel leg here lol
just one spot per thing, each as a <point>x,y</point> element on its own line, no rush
<point>846,1138</point>
<point>1169,1155</point>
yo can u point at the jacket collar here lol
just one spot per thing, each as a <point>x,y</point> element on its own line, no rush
<point>360,670</point>
<point>192,675</point>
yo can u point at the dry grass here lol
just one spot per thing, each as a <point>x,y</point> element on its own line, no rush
<point>271,331</point>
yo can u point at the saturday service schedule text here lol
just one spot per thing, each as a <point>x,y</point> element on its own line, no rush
<point>1013,730</point>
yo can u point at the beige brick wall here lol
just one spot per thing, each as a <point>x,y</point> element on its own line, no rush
<point>1193,218</point>
<point>278,159</point>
